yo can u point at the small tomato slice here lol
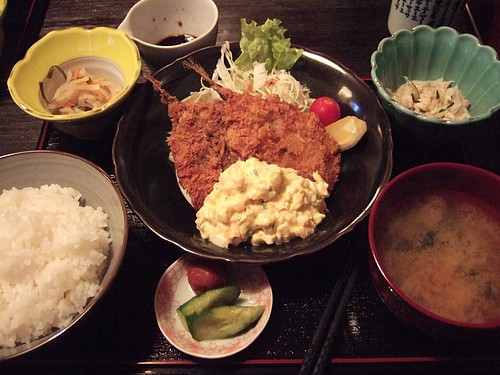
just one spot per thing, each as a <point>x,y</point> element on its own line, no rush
<point>326,109</point>
<point>203,275</point>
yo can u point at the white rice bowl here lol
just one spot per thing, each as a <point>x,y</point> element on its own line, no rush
<point>46,167</point>
<point>53,253</point>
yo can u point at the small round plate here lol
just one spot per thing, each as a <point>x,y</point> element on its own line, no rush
<point>173,290</point>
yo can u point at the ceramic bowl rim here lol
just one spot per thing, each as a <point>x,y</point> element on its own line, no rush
<point>3,7</point>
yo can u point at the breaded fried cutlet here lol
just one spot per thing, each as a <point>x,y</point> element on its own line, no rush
<point>206,138</point>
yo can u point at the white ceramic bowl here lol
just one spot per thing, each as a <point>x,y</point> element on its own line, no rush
<point>36,168</point>
<point>150,21</point>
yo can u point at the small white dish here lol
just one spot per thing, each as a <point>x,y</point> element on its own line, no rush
<point>173,290</point>
<point>149,22</point>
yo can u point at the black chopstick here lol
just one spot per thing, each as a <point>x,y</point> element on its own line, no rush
<point>319,351</point>
<point>325,354</point>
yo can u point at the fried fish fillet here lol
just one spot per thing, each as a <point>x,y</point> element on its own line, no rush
<point>206,138</point>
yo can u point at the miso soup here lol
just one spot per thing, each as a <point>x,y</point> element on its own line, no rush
<point>442,251</point>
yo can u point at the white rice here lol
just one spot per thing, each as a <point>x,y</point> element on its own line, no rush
<point>52,253</point>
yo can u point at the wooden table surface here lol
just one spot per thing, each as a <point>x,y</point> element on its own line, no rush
<point>348,31</point>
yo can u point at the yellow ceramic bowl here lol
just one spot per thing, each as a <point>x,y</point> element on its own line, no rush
<point>3,8</point>
<point>107,48</point>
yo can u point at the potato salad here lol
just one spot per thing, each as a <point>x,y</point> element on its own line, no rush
<point>262,203</point>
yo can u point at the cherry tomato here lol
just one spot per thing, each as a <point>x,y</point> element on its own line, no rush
<point>326,109</point>
<point>204,275</point>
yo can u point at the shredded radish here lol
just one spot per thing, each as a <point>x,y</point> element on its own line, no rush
<point>82,92</point>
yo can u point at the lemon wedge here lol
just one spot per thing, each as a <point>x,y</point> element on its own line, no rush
<point>347,131</point>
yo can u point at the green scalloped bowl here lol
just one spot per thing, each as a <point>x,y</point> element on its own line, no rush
<point>62,46</point>
<point>425,53</point>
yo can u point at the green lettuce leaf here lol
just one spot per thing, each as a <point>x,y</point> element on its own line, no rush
<point>266,44</point>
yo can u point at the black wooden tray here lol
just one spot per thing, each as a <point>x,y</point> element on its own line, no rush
<point>121,335</point>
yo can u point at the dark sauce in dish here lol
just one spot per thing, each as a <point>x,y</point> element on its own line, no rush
<point>173,40</point>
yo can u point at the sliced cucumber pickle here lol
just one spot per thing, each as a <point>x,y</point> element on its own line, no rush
<point>224,321</point>
<point>191,309</point>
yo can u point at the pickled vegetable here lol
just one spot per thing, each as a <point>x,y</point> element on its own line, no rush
<point>197,305</point>
<point>224,321</point>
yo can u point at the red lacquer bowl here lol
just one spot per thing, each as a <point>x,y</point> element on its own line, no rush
<point>456,183</point>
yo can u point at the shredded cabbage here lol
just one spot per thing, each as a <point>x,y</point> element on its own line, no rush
<point>257,81</point>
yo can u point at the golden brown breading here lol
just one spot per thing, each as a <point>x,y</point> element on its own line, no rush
<point>206,138</point>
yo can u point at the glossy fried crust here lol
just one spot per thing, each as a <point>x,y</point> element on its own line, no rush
<point>206,138</point>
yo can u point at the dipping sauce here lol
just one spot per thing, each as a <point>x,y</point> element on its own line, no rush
<point>442,251</point>
<point>263,203</point>
<point>173,40</point>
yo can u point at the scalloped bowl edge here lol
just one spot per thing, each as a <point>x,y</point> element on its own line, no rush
<point>414,38</point>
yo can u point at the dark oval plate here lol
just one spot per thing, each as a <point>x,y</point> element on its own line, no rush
<point>147,177</point>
